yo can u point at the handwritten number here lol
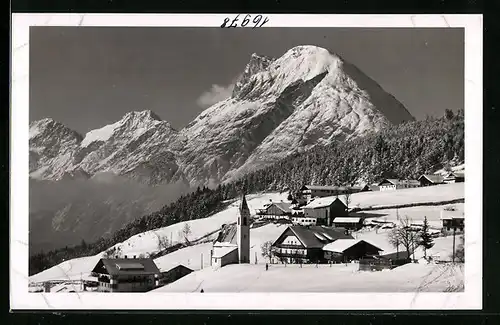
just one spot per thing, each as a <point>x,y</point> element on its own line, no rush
<point>245,21</point>
<point>265,21</point>
<point>226,20</point>
<point>233,23</point>
<point>258,21</point>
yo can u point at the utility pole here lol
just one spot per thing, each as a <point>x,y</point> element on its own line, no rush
<point>453,255</point>
<point>202,261</point>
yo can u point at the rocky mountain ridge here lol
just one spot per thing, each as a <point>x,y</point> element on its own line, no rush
<point>278,107</point>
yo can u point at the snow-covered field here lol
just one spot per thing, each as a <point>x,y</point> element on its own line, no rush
<point>442,249</point>
<point>337,278</point>
<point>418,213</point>
<point>146,243</point>
<point>438,193</point>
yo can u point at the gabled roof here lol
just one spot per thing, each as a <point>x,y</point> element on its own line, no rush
<point>340,245</point>
<point>331,188</point>
<point>324,202</point>
<point>223,250</point>
<point>317,236</point>
<point>393,181</point>
<point>396,182</point>
<point>455,217</point>
<point>117,266</point>
<point>436,179</point>
<point>175,266</point>
<point>283,206</point>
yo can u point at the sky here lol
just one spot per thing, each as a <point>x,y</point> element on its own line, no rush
<point>88,77</point>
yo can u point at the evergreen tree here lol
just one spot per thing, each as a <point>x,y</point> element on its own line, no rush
<point>426,240</point>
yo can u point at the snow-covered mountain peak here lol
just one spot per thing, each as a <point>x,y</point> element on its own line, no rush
<point>50,127</point>
<point>132,125</point>
<point>142,115</point>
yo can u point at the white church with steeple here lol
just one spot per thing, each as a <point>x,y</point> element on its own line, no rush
<point>233,244</point>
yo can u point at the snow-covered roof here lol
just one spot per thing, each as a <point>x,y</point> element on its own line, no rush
<point>283,206</point>
<point>433,178</point>
<point>340,245</point>
<point>315,236</point>
<point>396,182</point>
<point>221,251</point>
<point>455,217</point>
<point>346,219</point>
<point>323,202</point>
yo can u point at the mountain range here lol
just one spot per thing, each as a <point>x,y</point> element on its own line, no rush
<point>278,107</point>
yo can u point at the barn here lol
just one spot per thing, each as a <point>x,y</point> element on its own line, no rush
<point>352,223</point>
<point>173,274</point>
<point>428,180</point>
<point>346,250</point>
<point>276,210</point>
<point>324,210</point>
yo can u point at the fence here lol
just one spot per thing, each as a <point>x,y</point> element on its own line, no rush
<point>374,265</point>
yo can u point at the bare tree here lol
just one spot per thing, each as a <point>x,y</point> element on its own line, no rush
<point>405,236</point>
<point>267,251</point>
<point>348,199</point>
<point>186,232</point>
<point>163,243</point>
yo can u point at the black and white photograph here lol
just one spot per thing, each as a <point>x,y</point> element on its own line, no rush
<point>278,159</point>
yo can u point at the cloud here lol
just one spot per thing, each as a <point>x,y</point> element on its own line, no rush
<point>216,94</point>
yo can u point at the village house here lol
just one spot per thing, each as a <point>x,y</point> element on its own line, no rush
<point>455,223</point>
<point>347,250</point>
<point>233,245</point>
<point>312,191</point>
<point>388,184</point>
<point>301,244</point>
<point>322,211</point>
<point>428,180</point>
<point>454,177</point>
<point>173,274</point>
<point>275,210</point>
<point>126,274</point>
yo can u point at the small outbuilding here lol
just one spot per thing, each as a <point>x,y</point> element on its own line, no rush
<point>429,180</point>
<point>173,274</point>
<point>346,250</point>
<point>351,223</point>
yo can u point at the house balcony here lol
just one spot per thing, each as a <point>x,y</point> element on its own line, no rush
<point>292,255</point>
<point>289,246</point>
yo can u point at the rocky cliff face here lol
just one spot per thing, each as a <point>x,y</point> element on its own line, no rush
<point>306,97</point>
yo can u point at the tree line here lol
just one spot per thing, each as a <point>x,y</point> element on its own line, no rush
<point>404,151</point>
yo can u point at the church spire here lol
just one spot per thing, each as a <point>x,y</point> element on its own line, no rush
<point>243,202</point>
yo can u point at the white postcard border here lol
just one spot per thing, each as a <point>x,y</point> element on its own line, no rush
<point>21,299</point>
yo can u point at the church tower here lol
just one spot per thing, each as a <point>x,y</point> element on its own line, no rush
<point>243,231</point>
